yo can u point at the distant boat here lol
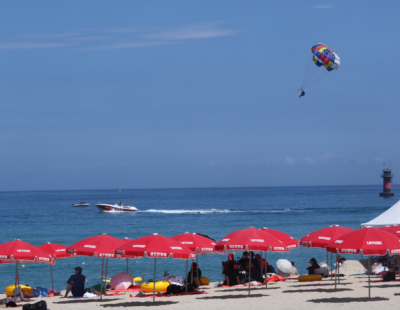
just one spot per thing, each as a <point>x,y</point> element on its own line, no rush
<point>81,204</point>
<point>109,207</point>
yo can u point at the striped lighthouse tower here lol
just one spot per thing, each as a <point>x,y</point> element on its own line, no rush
<point>387,183</point>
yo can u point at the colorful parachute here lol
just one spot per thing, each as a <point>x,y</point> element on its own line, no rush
<point>324,56</point>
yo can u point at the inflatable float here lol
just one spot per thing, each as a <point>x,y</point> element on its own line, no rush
<point>204,281</point>
<point>137,280</point>
<point>160,287</point>
<point>9,291</point>
<point>310,278</point>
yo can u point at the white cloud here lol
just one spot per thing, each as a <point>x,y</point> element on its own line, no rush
<point>200,31</point>
<point>309,160</point>
<point>323,6</point>
<point>120,38</point>
<point>290,160</point>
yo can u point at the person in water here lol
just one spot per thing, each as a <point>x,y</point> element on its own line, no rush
<point>76,283</point>
<point>302,94</point>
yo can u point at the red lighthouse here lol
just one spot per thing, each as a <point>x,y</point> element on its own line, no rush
<point>387,183</point>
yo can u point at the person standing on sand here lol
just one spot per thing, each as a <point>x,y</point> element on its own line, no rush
<point>76,283</point>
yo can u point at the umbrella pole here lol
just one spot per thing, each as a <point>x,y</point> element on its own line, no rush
<point>336,271</point>
<point>338,266</point>
<point>16,274</point>
<point>369,279</point>
<point>398,264</point>
<point>127,266</point>
<point>266,269</point>
<point>191,278</point>
<point>331,267</point>
<point>197,262</point>
<point>249,274</point>
<point>52,284</point>
<point>327,261</point>
<point>154,280</point>
<point>186,276</point>
<point>101,285</point>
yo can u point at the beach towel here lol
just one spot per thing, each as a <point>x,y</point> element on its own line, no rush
<point>131,289</point>
<point>165,295</point>
<point>274,278</point>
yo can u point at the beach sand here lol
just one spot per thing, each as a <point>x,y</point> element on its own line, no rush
<point>351,292</point>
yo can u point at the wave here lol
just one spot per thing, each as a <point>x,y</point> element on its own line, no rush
<point>212,211</point>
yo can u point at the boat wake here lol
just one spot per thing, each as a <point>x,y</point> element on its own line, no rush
<point>212,211</point>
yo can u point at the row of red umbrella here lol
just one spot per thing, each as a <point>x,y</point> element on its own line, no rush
<point>335,239</point>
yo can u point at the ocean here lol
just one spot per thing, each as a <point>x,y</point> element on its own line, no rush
<point>38,217</point>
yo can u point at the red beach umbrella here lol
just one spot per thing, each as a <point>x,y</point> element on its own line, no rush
<point>395,230</point>
<point>156,246</point>
<point>18,251</point>
<point>251,239</point>
<point>320,238</point>
<point>369,241</point>
<point>102,246</point>
<point>291,242</point>
<point>57,251</point>
<point>23,252</point>
<point>198,244</point>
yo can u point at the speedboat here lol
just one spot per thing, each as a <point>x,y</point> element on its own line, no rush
<point>81,204</point>
<point>110,207</point>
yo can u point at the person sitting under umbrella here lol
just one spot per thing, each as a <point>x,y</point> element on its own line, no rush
<point>314,265</point>
<point>195,271</point>
<point>76,283</point>
<point>231,275</point>
<point>242,263</point>
<point>254,272</point>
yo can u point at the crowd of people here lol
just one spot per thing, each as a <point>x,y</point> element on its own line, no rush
<point>249,267</point>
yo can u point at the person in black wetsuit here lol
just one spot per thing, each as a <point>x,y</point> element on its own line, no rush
<point>231,275</point>
<point>242,263</point>
<point>314,265</point>
<point>195,271</point>
<point>254,272</point>
<point>302,93</point>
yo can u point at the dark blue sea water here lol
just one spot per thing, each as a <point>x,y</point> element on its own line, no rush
<point>42,216</point>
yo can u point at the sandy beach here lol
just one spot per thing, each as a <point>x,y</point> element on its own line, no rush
<point>351,292</point>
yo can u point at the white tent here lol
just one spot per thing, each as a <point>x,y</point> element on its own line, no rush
<point>389,217</point>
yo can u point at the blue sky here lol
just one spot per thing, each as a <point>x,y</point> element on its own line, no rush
<point>150,94</point>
